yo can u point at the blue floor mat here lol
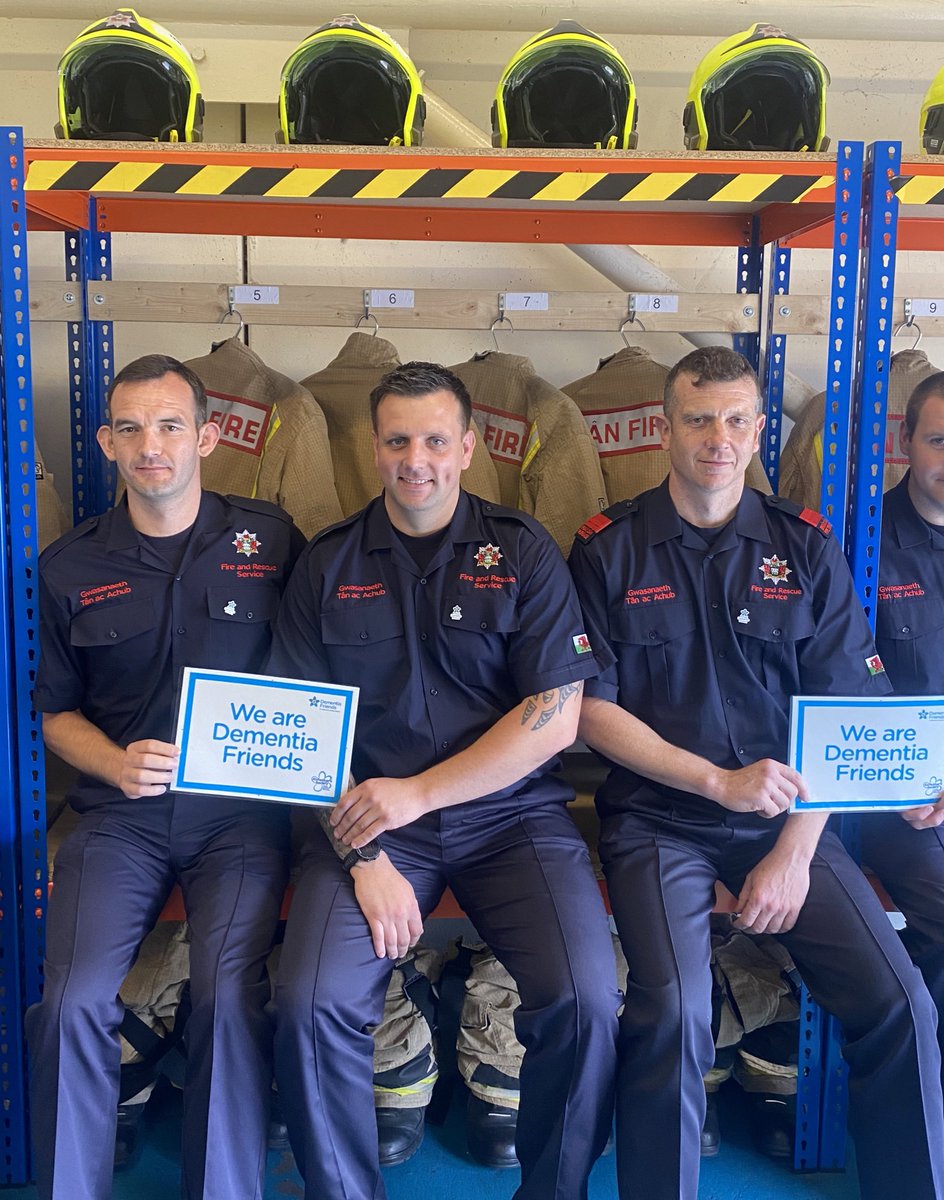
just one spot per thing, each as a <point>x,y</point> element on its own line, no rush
<point>442,1169</point>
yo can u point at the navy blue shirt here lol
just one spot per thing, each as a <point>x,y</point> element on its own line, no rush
<point>439,653</point>
<point>909,619</point>
<point>712,641</point>
<point>118,622</point>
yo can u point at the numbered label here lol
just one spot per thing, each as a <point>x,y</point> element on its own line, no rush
<point>927,308</point>
<point>385,298</point>
<point>248,294</point>
<point>525,301</point>
<point>654,302</point>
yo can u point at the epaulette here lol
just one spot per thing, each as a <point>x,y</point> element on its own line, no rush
<point>603,520</point>
<point>266,507</point>
<point>808,516</point>
<point>342,524</point>
<point>89,525</point>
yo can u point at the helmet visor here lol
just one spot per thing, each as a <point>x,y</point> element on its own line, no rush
<point>566,96</point>
<point>766,101</point>
<point>343,92</point>
<point>125,92</point>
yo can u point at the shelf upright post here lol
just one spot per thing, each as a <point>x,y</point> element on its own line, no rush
<point>863,517</point>
<point>91,366</point>
<point>774,368</point>
<point>22,809</point>
<point>750,279</point>
<point>840,364</point>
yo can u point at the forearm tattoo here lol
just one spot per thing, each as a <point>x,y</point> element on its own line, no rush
<point>550,703</point>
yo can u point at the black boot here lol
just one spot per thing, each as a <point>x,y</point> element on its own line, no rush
<point>128,1135</point>
<point>399,1133</point>
<point>711,1130</point>
<point>773,1123</point>
<point>490,1132</point>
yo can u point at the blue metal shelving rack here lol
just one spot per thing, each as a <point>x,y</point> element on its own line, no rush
<point>22,812</point>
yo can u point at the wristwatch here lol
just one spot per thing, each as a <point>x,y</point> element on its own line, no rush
<point>367,853</point>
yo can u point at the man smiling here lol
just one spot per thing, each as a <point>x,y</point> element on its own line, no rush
<point>458,622</point>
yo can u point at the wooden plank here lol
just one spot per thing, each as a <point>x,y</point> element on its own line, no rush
<point>189,303</point>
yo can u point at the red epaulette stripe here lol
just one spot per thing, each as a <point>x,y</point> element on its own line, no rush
<point>593,525</point>
<point>817,520</point>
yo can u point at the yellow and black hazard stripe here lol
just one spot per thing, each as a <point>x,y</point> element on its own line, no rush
<point>919,189</point>
<point>435,183</point>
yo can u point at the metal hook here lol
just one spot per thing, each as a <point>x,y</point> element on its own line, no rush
<point>501,319</point>
<point>630,319</point>
<point>909,323</point>
<point>233,312</point>
<point>367,315</point>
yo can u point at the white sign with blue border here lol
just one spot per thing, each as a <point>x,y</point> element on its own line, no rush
<point>264,738</point>
<point>866,755</point>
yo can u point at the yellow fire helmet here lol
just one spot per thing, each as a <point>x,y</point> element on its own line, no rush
<point>932,116</point>
<point>129,79</point>
<point>758,90</point>
<point>566,87</point>
<point>350,84</point>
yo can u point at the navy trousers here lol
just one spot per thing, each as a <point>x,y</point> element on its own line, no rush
<point>111,879</point>
<point>524,878</point>
<point>910,864</point>
<point>661,875</point>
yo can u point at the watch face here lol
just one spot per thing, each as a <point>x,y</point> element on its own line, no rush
<point>369,852</point>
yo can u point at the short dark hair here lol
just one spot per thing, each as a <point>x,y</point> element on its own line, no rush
<point>156,366</point>
<point>709,364</point>
<point>932,386</point>
<point>420,379</point>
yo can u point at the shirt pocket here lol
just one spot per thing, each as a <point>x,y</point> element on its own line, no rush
<point>252,609</point>
<point>908,620</point>
<point>771,641</point>
<point>653,640</point>
<point>112,626</point>
<point>909,635</point>
<point>246,605</point>
<point>360,625</point>
<point>475,632</point>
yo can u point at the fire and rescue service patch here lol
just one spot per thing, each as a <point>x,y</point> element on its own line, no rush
<point>776,569</point>
<point>246,543</point>
<point>488,556</point>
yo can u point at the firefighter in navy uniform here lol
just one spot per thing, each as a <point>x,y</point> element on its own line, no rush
<point>459,624</point>
<point>719,605</point>
<point>908,854</point>
<point>173,576</point>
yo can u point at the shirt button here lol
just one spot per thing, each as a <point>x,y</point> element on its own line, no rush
<point>433,691</point>
<point>906,629</point>
<point>364,637</point>
<point>777,632</point>
<point>484,625</point>
<point>444,745</point>
<point>714,604</point>
<point>722,654</point>
<point>652,633</point>
<point>422,637</point>
<point>741,751</point>
<point>730,700</point>
<point>423,580</point>
<point>113,633</point>
<point>248,616</point>
<point>180,629</point>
